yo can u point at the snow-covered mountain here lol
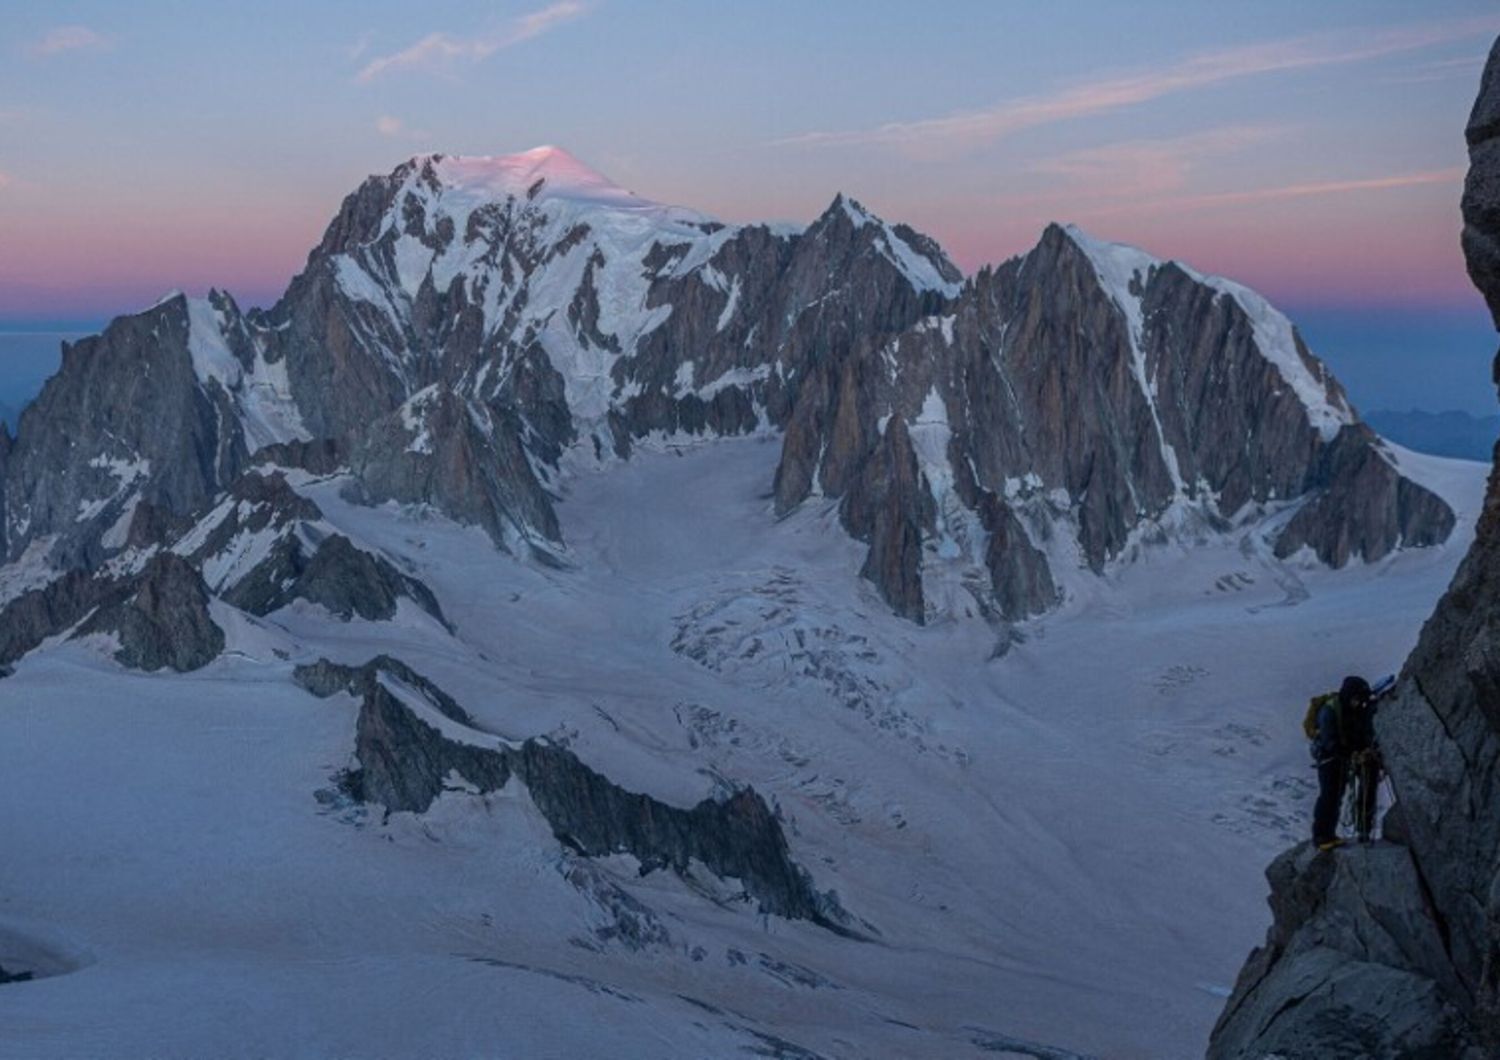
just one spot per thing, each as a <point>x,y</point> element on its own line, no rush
<point>468,327</point>
<point>608,617</point>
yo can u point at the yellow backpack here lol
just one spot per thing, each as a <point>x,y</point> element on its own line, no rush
<point>1310,719</point>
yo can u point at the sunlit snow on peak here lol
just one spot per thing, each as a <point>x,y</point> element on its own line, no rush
<point>545,172</point>
<point>1119,264</point>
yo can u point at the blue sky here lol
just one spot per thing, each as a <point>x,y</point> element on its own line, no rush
<point>1313,151</point>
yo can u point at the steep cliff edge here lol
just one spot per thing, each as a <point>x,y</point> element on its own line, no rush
<point>1393,950</point>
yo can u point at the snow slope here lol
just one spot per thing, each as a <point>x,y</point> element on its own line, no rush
<point>1059,844</point>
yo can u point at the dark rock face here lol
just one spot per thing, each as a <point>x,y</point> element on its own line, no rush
<point>464,323</point>
<point>324,678</point>
<point>54,608</point>
<point>890,511</point>
<point>738,837</point>
<point>161,618</point>
<point>444,450</point>
<point>15,977</point>
<point>1395,951</point>
<point>304,560</point>
<point>1021,579</point>
<point>1363,507</point>
<point>405,763</point>
<point>322,456</point>
<point>1089,388</point>
<point>1341,973</point>
<point>159,614</point>
<point>125,417</point>
<point>349,581</point>
<point>346,580</point>
<point>772,310</point>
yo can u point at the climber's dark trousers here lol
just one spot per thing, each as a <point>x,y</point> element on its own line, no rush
<point>1331,776</point>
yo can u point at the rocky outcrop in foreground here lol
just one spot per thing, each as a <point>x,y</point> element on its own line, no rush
<point>1347,968</point>
<point>406,760</point>
<point>1394,950</point>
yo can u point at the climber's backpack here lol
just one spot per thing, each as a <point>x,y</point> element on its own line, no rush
<point>1310,719</point>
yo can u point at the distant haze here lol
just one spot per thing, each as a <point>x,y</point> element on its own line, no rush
<point>26,360</point>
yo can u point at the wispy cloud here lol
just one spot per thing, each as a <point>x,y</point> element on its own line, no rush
<point>1440,70</point>
<point>396,129</point>
<point>438,51</point>
<point>68,39</point>
<point>967,129</point>
<point>1303,190</point>
<point>1454,175</point>
<point>359,46</point>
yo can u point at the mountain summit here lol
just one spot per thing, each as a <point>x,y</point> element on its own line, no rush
<point>469,329</point>
<point>542,172</point>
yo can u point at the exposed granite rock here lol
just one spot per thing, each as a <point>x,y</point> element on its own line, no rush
<point>292,553</point>
<point>1481,201</point>
<point>464,459</point>
<point>1051,389</point>
<point>348,581</point>
<point>1341,973</point>
<point>320,456</point>
<point>1020,577</point>
<point>890,510</point>
<point>49,610</point>
<point>1412,967</point>
<point>768,311</point>
<point>254,503</point>
<point>405,762</point>
<point>738,837</point>
<point>1363,506</point>
<point>151,524</point>
<point>160,617</point>
<point>325,678</point>
<point>457,330</point>
<point>124,417</point>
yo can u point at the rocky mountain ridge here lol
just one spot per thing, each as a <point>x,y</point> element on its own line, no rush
<point>1393,950</point>
<point>469,326</point>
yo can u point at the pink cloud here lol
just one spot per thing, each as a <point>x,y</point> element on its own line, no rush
<point>1307,189</point>
<point>441,50</point>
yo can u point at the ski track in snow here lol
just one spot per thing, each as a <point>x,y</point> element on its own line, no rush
<point>1063,844</point>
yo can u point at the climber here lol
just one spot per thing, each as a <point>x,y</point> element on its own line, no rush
<point>1343,732</point>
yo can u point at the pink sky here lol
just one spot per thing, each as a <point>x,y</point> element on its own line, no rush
<point>1314,152</point>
